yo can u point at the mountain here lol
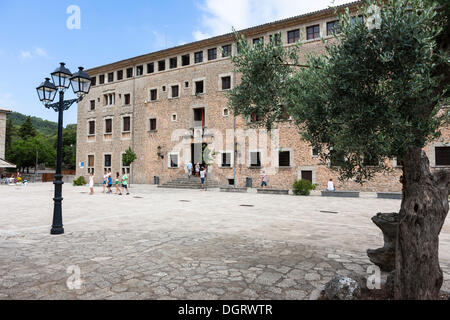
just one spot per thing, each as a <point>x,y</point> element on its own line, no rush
<point>45,127</point>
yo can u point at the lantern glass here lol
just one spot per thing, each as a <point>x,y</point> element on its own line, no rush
<point>46,91</point>
<point>81,82</point>
<point>61,77</point>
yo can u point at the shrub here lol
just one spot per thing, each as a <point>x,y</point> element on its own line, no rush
<point>79,182</point>
<point>303,187</point>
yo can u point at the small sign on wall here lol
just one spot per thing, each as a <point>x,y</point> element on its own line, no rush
<point>81,165</point>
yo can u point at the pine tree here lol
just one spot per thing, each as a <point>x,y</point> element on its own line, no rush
<point>10,134</point>
<point>27,129</point>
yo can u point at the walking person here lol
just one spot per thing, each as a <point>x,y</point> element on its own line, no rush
<point>118,191</point>
<point>202,177</point>
<point>125,181</point>
<point>105,178</point>
<point>263,179</point>
<point>189,169</point>
<point>109,184</point>
<point>91,183</point>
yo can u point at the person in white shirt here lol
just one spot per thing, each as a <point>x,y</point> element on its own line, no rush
<point>189,168</point>
<point>202,177</point>
<point>330,186</point>
<point>91,183</point>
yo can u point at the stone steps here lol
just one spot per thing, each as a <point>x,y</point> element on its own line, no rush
<point>185,183</point>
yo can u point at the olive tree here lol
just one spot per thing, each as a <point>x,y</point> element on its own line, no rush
<point>376,93</point>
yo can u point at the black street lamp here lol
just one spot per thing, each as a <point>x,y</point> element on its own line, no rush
<point>62,79</point>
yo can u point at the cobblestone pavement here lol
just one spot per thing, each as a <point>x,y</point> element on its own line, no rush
<point>202,249</point>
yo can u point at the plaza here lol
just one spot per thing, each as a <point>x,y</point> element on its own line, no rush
<point>185,244</point>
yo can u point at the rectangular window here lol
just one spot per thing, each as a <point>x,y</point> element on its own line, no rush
<point>127,99</point>
<point>92,128</point>
<point>199,87</point>
<point>212,54</point>
<point>307,175</point>
<point>139,70</point>
<point>108,126</point>
<point>258,40</point>
<point>126,124</point>
<point>276,38</point>
<point>153,95</point>
<point>255,159</point>
<point>111,77</point>
<point>120,75</point>
<point>162,65</point>
<point>185,60</point>
<point>359,18</point>
<point>150,67</point>
<point>93,81</point>
<point>173,62</point>
<point>129,72</point>
<point>226,159</point>
<point>174,161</point>
<point>92,105</point>
<point>315,152</point>
<point>198,57</point>
<point>313,32</point>
<point>226,50</point>
<point>175,91</point>
<point>332,27</point>
<point>91,164</point>
<point>293,36</point>
<point>152,125</point>
<point>226,83</point>
<point>284,158</point>
<point>107,161</point>
<point>101,79</point>
<point>442,155</point>
<point>337,159</point>
<point>370,161</point>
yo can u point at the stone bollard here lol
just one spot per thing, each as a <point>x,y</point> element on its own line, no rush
<point>385,257</point>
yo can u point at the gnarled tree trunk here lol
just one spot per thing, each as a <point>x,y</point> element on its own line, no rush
<point>422,215</point>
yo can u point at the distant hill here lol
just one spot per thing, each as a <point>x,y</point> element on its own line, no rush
<point>45,127</point>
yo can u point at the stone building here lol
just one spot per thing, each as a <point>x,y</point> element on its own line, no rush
<point>169,105</point>
<point>3,163</point>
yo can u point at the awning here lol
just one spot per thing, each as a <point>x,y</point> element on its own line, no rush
<point>4,164</point>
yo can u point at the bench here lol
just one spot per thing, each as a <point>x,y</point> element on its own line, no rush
<point>341,194</point>
<point>231,189</point>
<point>273,191</point>
<point>390,195</point>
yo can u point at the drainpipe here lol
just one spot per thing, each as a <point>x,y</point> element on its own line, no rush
<point>234,136</point>
<point>132,131</point>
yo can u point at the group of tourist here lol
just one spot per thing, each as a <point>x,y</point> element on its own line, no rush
<point>108,182</point>
<point>200,171</point>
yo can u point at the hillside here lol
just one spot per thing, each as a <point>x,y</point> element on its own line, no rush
<point>45,127</point>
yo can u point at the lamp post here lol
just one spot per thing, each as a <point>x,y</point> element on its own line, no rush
<point>62,79</point>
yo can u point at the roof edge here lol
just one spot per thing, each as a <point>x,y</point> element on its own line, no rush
<point>249,30</point>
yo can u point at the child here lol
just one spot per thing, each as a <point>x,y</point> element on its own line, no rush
<point>91,183</point>
<point>125,181</point>
<point>118,191</point>
<point>109,184</point>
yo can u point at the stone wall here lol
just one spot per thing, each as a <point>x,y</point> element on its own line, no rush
<point>2,134</point>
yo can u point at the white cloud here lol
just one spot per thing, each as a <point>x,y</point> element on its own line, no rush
<point>219,16</point>
<point>30,54</point>
<point>25,54</point>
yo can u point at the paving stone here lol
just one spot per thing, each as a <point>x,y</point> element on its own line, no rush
<point>268,278</point>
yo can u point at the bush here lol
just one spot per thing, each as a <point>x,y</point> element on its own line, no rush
<point>303,187</point>
<point>79,182</point>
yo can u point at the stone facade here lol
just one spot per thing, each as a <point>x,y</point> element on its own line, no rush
<point>3,113</point>
<point>198,119</point>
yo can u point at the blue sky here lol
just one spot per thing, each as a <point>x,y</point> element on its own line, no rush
<point>34,36</point>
